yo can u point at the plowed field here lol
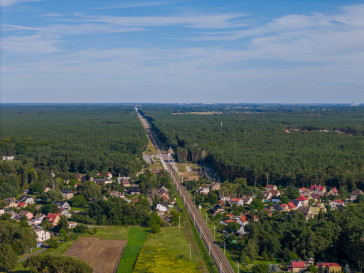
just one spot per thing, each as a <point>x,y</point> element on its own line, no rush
<point>102,255</point>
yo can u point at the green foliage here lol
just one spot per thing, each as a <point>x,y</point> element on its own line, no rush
<point>80,228</point>
<point>90,190</point>
<point>255,146</point>
<point>233,226</point>
<point>47,208</point>
<point>57,263</point>
<point>52,195</point>
<point>52,242</point>
<point>260,268</point>
<point>8,258</point>
<point>312,269</point>
<point>256,204</point>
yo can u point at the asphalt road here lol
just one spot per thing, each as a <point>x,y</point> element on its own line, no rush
<point>215,251</point>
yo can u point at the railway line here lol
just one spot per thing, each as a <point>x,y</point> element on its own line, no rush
<point>221,262</point>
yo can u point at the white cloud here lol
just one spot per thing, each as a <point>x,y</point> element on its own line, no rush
<point>8,3</point>
<point>29,45</point>
<point>136,4</point>
<point>193,20</point>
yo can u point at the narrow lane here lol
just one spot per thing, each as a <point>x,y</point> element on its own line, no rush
<point>215,252</point>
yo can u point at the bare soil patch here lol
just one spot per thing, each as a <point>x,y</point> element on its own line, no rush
<point>102,255</point>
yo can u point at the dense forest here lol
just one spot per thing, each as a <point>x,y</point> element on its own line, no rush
<point>67,139</point>
<point>283,145</point>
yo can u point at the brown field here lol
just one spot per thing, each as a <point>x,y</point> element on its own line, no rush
<point>102,255</point>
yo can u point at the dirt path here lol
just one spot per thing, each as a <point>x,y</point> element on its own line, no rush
<point>31,254</point>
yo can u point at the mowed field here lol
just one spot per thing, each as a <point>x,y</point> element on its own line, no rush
<point>102,255</point>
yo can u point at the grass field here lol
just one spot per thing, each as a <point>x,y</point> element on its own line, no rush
<point>136,238</point>
<point>167,251</point>
<point>102,255</point>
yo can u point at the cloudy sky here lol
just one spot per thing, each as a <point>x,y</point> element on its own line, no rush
<point>266,51</point>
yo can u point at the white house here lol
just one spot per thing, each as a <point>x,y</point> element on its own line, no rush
<point>247,199</point>
<point>2,211</point>
<point>42,235</point>
<point>225,198</point>
<point>203,190</point>
<point>27,200</point>
<point>62,205</point>
<point>8,157</point>
<point>161,209</point>
<point>236,201</point>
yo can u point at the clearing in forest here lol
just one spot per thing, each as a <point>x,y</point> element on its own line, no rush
<point>102,255</point>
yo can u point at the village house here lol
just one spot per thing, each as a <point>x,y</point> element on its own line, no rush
<point>8,157</point>
<point>163,194</point>
<point>218,209</point>
<point>126,183</point>
<point>329,268</point>
<point>47,189</point>
<point>117,194</point>
<point>355,194</point>
<point>225,198</point>
<point>333,191</point>
<point>242,221</point>
<point>27,200</point>
<point>270,188</point>
<point>236,201</point>
<point>102,181</point>
<point>302,190</point>
<point>318,189</point>
<point>271,194</point>
<point>134,189</point>
<point>247,199</point>
<point>42,235</point>
<point>38,219</point>
<point>67,194</point>
<point>62,205</point>
<point>302,200</point>
<point>109,175</point>
<point>27,214</point>
<point>336,203</point>
<point>53,218</point>
<point>203,190</point>
<point>314,211</point>
<point>215,186</point>
<point>21,205</point>
<point>10,202</point>
<point>298,267</point>
<point>161,209</point>
<point>2,211</point>
<point>11,213</point>
<point>72,225</point>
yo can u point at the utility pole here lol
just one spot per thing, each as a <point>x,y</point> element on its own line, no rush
<point>214,233</point>
<point>224,247</point>
<point>190,250</point>
<point>179,221</point>
<point>206,217</point>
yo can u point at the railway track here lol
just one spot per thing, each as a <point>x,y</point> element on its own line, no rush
<point>215,251</point>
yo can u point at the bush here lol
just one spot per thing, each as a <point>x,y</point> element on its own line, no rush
<point>80,228</point>
<point>260,268</point>
<point>57,263</point>
<point>52,243</point>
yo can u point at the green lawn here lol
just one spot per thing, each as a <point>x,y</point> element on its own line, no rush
<point>136,238</point>
<point>167,251</point>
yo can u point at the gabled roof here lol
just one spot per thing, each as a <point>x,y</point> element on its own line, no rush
<point>329,264</point>
<point>317,187</point>
<point>301,198</point>
<point>52,216</point>
<point>291,205</point>
<point>243,219</point>
<point>229,221</point>
<point>339,201</point>
<point>298,265</point>
<point>235,199</point>
<point>270,186</point>
<point>21,204</point>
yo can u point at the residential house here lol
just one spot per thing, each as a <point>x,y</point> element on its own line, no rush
<point>109,175</point>
<point>333,191</point>
<point>38,219</point>
<point>336,203</point>
<point>67,194</point>
<point>47,189</point>
<point>302,190</point>
<point>247,199</point>
<point>203,190</point>
<point>161,209</point>
<point>103,181</point>
<point>27,214</point>
<point>134,189</point>
<point>8,157</point>
<point>305,210</point>
<point>285,207</point>
<point>62,205</point>
<point>329,268</point>
<point>72,225</point>
<point>242,221</point>
<point>42,235</point>
<point>10,202</point>
<point>225,198</point>
<point>126,183</point>
<point>26,199</point>
<point>215,186</point>
<point>298,267</point>
<point>270,187</point>
<point>271,194</point>
<point>355,194</point>
<point>277,207</point>
<point>296,203</point>
<point>236,201</point>
<point>21,205</point>
<point>318,189</point>
<point>117,194</point>
<point>12,214</point>
<point>2,211</point>
<point>291,206</point>
<point>314,211</point>
<point>218,209</point>
<point>302,200</point>
<point>53,218</point>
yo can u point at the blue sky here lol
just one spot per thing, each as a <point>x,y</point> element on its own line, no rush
<point>280,51</point>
